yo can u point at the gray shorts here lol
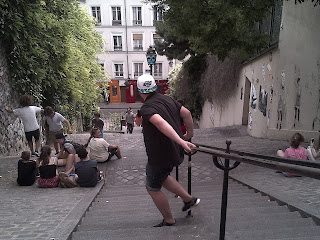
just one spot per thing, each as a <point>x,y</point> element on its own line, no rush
<point>156,176</point>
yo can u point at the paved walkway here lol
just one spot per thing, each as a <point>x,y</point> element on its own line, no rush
<point>34,213</point>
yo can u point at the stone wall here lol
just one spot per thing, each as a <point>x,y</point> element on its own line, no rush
<point>12,137</point>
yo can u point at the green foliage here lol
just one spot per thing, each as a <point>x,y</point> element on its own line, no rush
<point>212,26</point>
<point>52,52</point>
<point>185,84</point>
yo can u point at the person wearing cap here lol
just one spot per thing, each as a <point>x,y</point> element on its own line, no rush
<point>54,121</point>
<point>67,155</point>
<point>165,145</point>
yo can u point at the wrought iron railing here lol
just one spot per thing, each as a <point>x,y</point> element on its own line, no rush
<point>301,167</point>
<point>113,122</point>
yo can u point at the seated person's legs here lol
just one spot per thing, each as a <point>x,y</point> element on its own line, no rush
<point>62,161</point>
<point>114,150</point>
<point>70,163</point>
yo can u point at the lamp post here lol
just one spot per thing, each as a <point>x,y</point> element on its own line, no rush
<point>151,57</point>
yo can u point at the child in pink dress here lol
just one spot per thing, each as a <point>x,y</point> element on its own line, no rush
<point>295,151</point>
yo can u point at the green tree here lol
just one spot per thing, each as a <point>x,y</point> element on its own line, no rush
<point>212,26</point>
<point>218,27</point>
<point>52,48</point>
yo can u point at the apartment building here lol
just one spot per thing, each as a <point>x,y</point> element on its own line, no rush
<point>127,27</point>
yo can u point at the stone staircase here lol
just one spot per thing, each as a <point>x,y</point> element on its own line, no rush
<point>127,212</point>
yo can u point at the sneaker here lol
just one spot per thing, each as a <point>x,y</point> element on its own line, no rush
<point>164,223</point>
<point>193,203</point>
<point>101,177</point>
<point>35,154</point>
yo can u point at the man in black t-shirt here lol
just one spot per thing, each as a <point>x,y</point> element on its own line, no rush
<point>97,122</point>
<point>86,169</point>
<point>164,141</point>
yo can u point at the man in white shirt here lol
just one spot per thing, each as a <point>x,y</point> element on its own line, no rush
<point>54,121</point>
<point>28,113</point>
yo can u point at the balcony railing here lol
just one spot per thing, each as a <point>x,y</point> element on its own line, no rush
<point>138,48</point>
<point>157,74</point>
<point>137,74</point>
<point>136,22</point>
<point>118,74</point>
<point>116,22</point>
<point>117,48</point>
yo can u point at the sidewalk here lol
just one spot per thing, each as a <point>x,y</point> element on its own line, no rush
<point>34,213</point>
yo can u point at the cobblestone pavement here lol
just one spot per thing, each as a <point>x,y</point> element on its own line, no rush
<point>34,213</point>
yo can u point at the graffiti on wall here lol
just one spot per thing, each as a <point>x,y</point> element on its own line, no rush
<point>253,97</point>
<point>263,72</point>
<point>263,100</point>
<point>269,67</point>
<point>250,121</point>
<point>297,105</point>
<point>271,93</point>
<point>317,117</point>
<point>281,102</point>
<point>212,113</point>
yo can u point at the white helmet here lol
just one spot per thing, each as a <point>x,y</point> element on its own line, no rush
<point>146,84</point>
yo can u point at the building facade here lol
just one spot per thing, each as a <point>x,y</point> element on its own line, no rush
<point>127,27</point>
<point>278,92</point>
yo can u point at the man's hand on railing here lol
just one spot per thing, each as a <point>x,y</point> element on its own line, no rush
<point>188,146</point>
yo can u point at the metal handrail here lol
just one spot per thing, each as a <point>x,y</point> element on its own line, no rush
<point>297,166</point>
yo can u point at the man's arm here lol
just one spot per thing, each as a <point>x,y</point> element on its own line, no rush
<point>43,125</point>
<point>188,122</point>
<point>164,127</point>
<point>8,109</point>
<point>69,126</point>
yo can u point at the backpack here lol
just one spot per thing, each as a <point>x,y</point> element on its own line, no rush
<point>74,144</point>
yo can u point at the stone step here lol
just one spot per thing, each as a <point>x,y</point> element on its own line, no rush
<point>198,232</point>
<point>93,222</point>
<point>129,213</point>
<point>297,233</point>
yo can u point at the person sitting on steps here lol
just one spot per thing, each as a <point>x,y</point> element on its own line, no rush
<point>67,155</point>
<point>295,151</point>
<point>26,170</point>
<point>87,170</point>
<point>99,149</point>
<point>47,168</point>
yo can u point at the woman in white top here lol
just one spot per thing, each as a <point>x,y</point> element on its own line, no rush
<point>312,152</point>
<point>28,114</point>
<point>99,149</point>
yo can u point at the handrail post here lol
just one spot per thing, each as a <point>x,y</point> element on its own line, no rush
<point>189,179</point>
<point>177,178</point>
<point>224,201</point>
<point>177,173</point>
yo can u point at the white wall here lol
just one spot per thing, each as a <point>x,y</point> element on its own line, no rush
<point>277,72</point>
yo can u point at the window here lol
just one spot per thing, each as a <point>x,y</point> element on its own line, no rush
<point>117,43</point>
<point>157,38</point>
<point>137,42</point>
<point>157,14</point>
<point>116,16</point>
<point>157,70</point>
<point>138,69</point>
<point>137,17</point>
<point>118,70</point>
<point>96,13</point>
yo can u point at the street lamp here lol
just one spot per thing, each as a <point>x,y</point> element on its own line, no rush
<point>151,57</point>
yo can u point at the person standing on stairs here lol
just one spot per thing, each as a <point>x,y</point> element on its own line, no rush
<point>164,141</point>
